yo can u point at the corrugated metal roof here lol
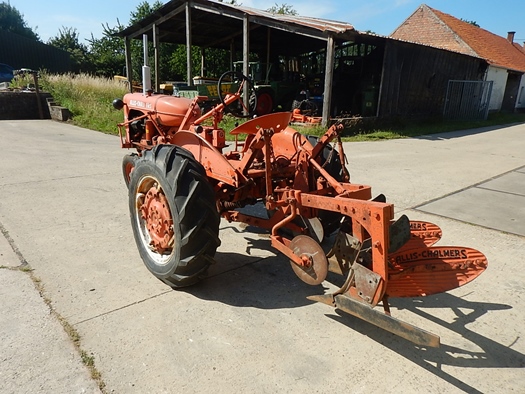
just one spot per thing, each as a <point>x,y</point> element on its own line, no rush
<point>315,24</point>
<point>323,25</point>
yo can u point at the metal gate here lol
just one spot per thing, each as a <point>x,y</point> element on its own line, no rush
<point>467,100</point>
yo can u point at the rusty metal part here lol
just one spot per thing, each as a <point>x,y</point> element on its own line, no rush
<point>422,234</point>
<point>431,270</point>
<point>315,266</point>
<point>366,282</point>
<point>315,228</point>
<point>399,234</point>
<point>383,320</point>
<point>405,330</point>
<point>155,211</point>
<point>343,253</point>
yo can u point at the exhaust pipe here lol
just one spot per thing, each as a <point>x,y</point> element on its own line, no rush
<point>146,70</point>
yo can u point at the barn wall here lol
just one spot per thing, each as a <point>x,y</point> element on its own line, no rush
<point>415,78</point>
<point>520,103</point>
<point>499,76</point>
<point>21,52</point>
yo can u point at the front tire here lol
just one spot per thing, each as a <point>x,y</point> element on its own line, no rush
<point>128,164</point>
<point>173,215</point>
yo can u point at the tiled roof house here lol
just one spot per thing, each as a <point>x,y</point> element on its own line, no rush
<point>506,58</point>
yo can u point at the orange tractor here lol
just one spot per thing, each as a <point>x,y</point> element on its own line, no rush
<point>184,178</point>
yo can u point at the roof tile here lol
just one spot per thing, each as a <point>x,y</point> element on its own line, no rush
<point>432,27</point>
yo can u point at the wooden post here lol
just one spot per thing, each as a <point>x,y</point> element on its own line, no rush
<point>203,62</point>
<point>129,70</point>
<point>156,54</point>
<point>246,57</point>
<point>268,47</point>
<point>188,44</point>
<point>329,74</point>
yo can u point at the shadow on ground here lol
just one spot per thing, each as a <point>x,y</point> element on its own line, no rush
<point>491,354</point>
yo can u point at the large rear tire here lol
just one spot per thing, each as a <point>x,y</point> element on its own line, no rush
<point>173,215</point>
<point>331,221</point>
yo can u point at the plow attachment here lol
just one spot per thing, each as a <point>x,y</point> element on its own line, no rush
<point>415,269</point>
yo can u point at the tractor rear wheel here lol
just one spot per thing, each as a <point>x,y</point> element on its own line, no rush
<point>331,221</point>
<point>265,101</point>
<point>173,215</point>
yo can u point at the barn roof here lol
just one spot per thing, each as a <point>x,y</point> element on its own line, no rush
<point>215,24</point>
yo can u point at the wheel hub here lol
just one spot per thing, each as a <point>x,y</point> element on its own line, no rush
<point>155,211</point>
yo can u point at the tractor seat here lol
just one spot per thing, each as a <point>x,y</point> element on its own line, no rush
<point>277,121</point>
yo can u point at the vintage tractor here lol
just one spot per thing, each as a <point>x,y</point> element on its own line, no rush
<point>184,178</point>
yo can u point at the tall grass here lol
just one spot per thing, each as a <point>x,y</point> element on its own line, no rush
<point>88,98</point>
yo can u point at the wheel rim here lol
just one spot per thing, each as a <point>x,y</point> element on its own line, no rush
<point>154,220</point>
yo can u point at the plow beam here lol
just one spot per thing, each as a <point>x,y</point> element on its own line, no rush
<point>380,319</point>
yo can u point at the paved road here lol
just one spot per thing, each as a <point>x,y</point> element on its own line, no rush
<point>249,327</point>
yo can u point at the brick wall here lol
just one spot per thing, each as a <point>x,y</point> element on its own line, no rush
<point>424,27</point>
<point>22,105</point>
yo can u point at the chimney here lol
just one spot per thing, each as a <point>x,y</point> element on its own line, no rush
<point>510,36</point>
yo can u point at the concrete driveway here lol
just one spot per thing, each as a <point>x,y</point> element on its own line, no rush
<point>249,327</point>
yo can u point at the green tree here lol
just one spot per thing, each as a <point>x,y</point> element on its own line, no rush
<point>67,39</point>
<point>284,9</point>
<point>143,10</point>
<point>473,23</point>
<point>107,53</point>
<point>13,21</point>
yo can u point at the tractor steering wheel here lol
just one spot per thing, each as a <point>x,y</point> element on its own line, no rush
<point>237,108</point>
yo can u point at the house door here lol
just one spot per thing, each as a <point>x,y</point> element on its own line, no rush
<point>511,92</point>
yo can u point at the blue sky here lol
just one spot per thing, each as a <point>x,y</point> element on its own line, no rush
<point>380,16</point>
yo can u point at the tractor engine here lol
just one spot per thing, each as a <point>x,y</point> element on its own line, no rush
<point>153,116</point>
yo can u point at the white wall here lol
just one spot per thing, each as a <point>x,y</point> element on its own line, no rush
<point>499,76</point>
<point>520,103</point>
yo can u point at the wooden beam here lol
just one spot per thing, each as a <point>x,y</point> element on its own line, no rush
<point>246,56</point>
<point>156,55</point>
<point>129,69</point>
<point>158,21</point>
<point>188,44</point>
<point>328,78</point>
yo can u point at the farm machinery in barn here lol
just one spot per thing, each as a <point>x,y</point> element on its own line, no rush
<point>183,178</point>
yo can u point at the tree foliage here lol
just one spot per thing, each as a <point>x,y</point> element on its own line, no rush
<point>67,39</point>
<point>105,56</point>
<point>284,9</point>
<point>13,21</point>
<point>473,23</point>
<point>107,53</point>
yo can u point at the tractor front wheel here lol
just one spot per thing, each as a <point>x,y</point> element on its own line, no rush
<point>128,164</point>
<point>173,215</point>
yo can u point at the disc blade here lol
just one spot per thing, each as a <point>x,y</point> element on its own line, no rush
<point>303,245</point>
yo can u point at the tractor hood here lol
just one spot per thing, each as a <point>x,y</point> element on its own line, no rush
<point>170,109</point>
